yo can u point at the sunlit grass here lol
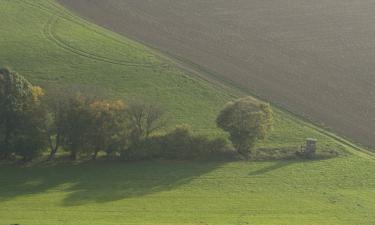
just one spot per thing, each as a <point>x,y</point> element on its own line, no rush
<point>57,50</point>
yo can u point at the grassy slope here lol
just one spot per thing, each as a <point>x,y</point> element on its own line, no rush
<point>54,49</point>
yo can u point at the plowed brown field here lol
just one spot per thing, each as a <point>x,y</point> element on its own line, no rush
<point>314,58</point>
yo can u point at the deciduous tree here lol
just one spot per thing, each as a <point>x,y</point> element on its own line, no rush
<point>21,116</point>
<point>143,119</point>
<point>246,120</point>
<point>76,125</point>
<point>107,124</point>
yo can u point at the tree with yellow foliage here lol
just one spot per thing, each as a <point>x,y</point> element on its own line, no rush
<point>107,120</point>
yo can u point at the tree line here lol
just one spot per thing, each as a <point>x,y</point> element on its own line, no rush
<point>32,122</point>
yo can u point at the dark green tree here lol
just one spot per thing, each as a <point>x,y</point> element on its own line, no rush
<point>21,116</point>
<point>76,125</point>
<point>56,105</point>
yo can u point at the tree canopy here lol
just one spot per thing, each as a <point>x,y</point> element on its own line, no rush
<point>246,120</point>
<point>21,118</point>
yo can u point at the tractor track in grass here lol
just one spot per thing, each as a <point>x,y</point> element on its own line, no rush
<point>50,33</point>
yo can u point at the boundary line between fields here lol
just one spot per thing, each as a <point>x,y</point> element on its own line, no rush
<point>198,71</point>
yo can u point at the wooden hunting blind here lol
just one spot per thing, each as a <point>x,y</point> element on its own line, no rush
<point>310,148</point>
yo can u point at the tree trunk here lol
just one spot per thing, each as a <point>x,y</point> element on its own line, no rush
<point>244,149</point>
<point>54,147</point>
<point>95,155</point>
<point>8,126</point>
<point>52,154</point>
<point>4,156</point>
<point>73,155</point>
<point>6,141</point>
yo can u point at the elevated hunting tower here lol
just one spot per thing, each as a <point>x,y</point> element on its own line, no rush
<point>310,148</point>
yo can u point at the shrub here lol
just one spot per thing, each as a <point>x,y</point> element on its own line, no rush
<point>145,149</point>
<point>178,144</point>
<point>29,147</point>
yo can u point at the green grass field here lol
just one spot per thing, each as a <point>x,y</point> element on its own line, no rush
<point>339,191</point>
<point>55,49</point>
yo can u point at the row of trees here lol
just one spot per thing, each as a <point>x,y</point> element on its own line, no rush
<point>31,122</point>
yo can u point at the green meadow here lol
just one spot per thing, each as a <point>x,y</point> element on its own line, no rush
<point>338,191</point>
<point>55,49</point>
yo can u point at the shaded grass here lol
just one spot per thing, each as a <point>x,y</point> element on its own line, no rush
<point>333,191</point>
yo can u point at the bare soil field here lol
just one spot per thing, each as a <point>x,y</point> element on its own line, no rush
<point>314,58</point>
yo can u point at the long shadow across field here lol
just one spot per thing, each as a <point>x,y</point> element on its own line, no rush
<point>267,169</point>
<point>100,181</point>
<point>110,181</point>
<point>279,164</point>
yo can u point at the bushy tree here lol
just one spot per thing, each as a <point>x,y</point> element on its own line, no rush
<point>56,105</point>
<point>76,125</point>
<point>246,120</point>
<point>107,121</point>
<point>21,116</point>
<point>86,125</point>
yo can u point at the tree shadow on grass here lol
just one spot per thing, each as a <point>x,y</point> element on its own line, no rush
<point>99,181</point>
<point>279,164</point>
<point>283,157</point>
<point>267,169</point>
